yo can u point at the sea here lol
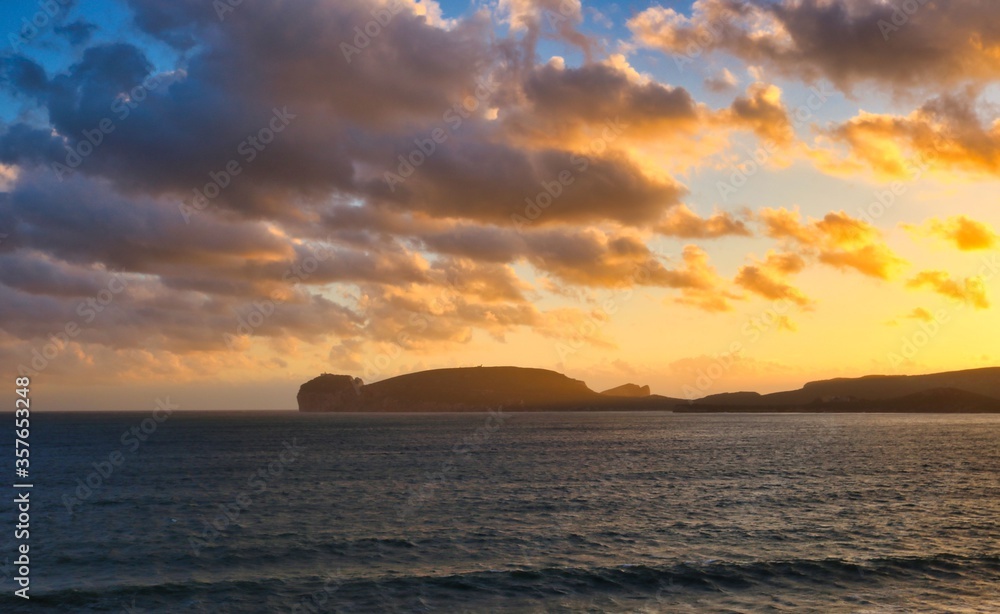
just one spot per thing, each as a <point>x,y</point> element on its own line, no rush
<point>510,512</point>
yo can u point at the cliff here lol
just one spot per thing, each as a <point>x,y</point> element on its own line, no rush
<point>325,391</point>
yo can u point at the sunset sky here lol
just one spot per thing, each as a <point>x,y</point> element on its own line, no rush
<point>218,202</point>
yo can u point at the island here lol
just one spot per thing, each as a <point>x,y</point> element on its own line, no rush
<point>471,389</point>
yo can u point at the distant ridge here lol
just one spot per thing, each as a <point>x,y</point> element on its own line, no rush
<point>628,390</point>
<point>985,381</point>
<point>526,389</point>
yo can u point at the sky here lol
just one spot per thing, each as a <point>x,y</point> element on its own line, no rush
<point>217,201</point>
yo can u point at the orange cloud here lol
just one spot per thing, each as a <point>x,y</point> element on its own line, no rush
<point>873,260</point>
<point>762,111</point>
<point>945,134</point>
<point>766,278</point>
<point>970,290</point>
<point>608,106</point>
<point>918,313</point>
<point>784,224</point>
<point>682,222</point>
<point>921,314</point>
<point>964,233</point>
<point>700,284</point>
<point>837,240</point>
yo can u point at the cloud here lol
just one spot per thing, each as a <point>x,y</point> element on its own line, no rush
<point>837,240</point>
<point>767,278</point>
<point>944,134</point>
<point>722,82</point>
<point>762,111</point>
<point>563,103</point>
<point>921,314</point>
<point>78,32</point>
<point>609,106</point>
<point>318,187</point>
<point>492,182</point>
<point>964,233</point>
<point>425,319</point>
<point>681,222</point>
<point>918,313</point>
<point>942,44</point>
<point>503,166</point>
<point>582,256</point>
<point>970,290</point>
<point>561,16</point>
<point>701,286</point>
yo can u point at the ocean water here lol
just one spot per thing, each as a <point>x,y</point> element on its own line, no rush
<point>578,512</point>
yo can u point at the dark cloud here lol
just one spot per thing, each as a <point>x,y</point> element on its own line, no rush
<point>915,45</point>
<point>494,182</point>
<point>528,166</point>
<point>561,101</point>
<point>77,32</point>
<point>22,76</point>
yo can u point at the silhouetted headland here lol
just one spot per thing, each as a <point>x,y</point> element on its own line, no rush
<point>469,389</point>
<point>524,389</point>
<point>628,390</point>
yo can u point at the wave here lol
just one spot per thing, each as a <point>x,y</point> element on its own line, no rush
<point>638,579</point>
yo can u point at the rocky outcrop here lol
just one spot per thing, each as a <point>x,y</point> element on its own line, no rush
<point>628,390</point>
<point>332,393</point>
